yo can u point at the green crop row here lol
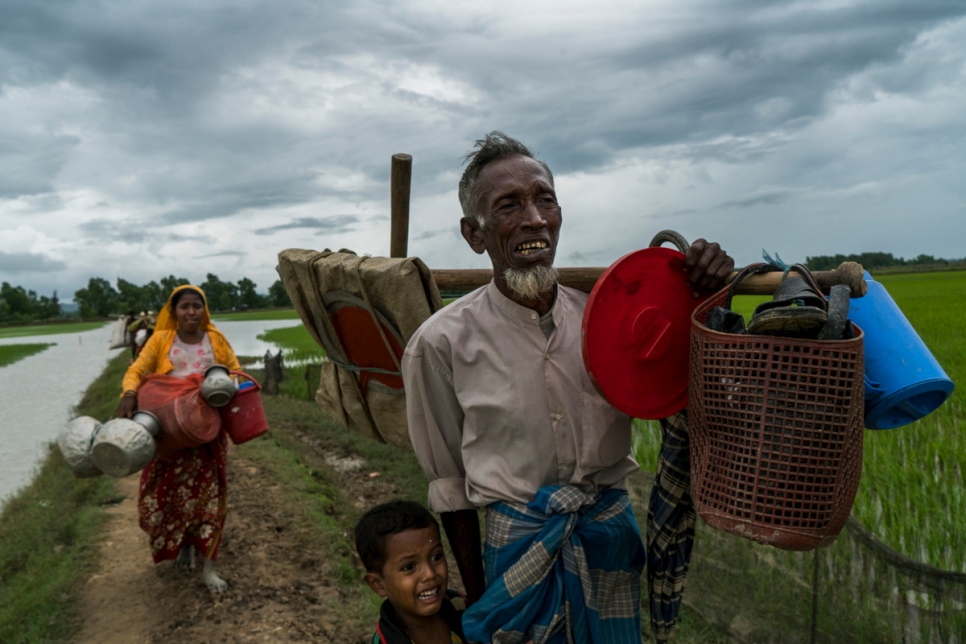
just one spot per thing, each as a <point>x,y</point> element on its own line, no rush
<point>296,344</point>
<point>10,353</point>
<point>48,329</point>
<point>912,492</point>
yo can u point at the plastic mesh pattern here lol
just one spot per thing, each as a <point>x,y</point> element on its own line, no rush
<point>776,433</point>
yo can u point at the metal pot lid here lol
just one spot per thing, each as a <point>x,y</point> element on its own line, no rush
<point>636,333</point>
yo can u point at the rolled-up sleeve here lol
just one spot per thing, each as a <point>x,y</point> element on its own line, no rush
<point>435,425</point>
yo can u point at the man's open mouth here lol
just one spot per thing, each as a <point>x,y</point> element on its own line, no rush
<point>531,247</point>
<point>428,595</point>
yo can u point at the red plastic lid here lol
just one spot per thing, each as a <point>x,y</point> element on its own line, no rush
<point>365,347</point>
<point>636,333</point>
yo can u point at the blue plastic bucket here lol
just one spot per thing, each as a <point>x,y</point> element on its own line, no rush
<point>903,381</point>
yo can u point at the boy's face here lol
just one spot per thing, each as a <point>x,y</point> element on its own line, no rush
<point>414,576</point>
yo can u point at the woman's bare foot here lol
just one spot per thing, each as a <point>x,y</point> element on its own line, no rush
<point>186,558</point>
<point>210,576</point>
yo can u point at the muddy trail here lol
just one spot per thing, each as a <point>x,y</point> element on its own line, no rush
<point>282,584</point>
<point>287,554</point>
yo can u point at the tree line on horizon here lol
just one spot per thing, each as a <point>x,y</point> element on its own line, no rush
<point>101,299</point>
<point>871,261</point>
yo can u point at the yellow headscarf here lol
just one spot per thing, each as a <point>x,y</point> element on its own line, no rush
<point>167,321</point>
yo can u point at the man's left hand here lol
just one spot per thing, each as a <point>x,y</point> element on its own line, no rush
<point>708,266</point>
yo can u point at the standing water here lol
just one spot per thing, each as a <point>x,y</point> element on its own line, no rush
<point>38,392</point>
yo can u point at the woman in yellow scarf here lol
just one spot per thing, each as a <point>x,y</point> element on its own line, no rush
<point>182,498</point>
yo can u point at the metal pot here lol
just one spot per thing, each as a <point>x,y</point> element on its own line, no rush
<point>74,442</point>
<point>122,446</point>
<point>218,387</point>
<point>148,421</point>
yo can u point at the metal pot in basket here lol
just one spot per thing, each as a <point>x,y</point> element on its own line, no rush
<point>75,441</point>
<point>124,446</point>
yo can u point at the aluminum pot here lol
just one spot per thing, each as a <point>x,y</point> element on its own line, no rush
<point>148,421</point>
<point>122,446</point>
<point>75,441</point>
<point>218,387</point>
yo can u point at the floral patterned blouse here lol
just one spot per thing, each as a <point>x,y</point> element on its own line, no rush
<point>190,358</point>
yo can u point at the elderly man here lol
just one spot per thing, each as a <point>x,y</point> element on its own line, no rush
<point>503,415</point>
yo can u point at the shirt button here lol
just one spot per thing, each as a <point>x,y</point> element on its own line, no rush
<point>556,416</point>
<point>533,316</point>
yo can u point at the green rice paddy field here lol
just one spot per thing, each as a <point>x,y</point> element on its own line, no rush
<point>10,353</point>
<point>913,490</point>
<point>46,329</point>
<point>299,346</point>
<point>258,314</point>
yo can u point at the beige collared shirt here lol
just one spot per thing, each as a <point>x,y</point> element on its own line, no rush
<point>497,410</point>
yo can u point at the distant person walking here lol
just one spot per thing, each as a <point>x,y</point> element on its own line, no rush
<point>140,328</point>
<point>182,498</point>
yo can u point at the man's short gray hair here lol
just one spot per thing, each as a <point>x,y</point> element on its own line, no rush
<point>495,145</point>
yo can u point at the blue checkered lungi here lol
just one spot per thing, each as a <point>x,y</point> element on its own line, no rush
<point>567,562</point>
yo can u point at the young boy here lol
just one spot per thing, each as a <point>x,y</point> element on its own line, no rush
<point>400,546</point>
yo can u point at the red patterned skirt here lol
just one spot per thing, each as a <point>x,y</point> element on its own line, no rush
<point>182,500</point>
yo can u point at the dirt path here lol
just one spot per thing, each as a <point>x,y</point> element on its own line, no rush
<point>279,589</point>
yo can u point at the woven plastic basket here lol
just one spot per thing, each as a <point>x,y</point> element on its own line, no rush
<point>776,432</point>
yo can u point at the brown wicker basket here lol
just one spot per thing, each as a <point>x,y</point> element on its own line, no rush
<point>776,432</point>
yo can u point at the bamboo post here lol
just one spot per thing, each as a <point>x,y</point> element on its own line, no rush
<point>402,170</point>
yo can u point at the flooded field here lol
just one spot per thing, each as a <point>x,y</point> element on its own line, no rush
<point>37,393</point>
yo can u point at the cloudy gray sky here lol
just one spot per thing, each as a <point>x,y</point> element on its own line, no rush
<point>141,138</point>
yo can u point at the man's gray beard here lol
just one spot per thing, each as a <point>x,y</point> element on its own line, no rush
<point>532,283</point>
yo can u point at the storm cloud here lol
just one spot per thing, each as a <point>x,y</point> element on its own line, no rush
<point>144,138</point>
<point>16,263</point>
<point>334,224</point>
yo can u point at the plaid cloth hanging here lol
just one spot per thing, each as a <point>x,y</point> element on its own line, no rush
<point>670,526</point>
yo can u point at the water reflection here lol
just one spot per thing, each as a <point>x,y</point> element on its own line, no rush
<point>241,334</point>
<point>37,393</point>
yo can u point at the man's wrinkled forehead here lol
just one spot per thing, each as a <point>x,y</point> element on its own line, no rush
<point>509,175</point>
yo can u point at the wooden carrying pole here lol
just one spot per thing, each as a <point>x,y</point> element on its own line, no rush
<point>583,279</point>
<point>402,172</point>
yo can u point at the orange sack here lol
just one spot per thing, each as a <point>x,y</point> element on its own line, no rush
<point>186,419</point>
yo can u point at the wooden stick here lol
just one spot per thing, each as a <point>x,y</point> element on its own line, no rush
<point>402,172</point>
<point>584,278</point>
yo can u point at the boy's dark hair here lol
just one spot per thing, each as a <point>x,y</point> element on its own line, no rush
<point>382,521</point>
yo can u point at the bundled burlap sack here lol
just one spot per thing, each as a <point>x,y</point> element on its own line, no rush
<point>398,294</point>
